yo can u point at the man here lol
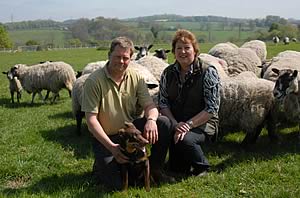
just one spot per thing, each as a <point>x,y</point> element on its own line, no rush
<point>111,96</point>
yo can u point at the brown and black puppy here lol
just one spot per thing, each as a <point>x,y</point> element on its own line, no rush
<point>133,146</point>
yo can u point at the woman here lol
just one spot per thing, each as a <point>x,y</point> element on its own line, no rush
<point>189,96</point>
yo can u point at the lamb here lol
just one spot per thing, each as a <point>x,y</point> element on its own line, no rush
<point>259,47</point>
<point>284,60</point>
<point>14,86</point>
<point>52,76</point>
<point>247,104</point>
<point>238,59</point>
<point>153,64</point>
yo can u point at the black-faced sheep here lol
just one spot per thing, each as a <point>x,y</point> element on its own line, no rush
<point>162,53</point>
<point>51,76</point>
<point>14,86</point>
<point>142,51</point>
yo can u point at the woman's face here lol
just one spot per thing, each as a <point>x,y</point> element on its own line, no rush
<point>184,53</point>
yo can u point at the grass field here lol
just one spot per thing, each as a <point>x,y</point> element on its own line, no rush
<point>41,155</point>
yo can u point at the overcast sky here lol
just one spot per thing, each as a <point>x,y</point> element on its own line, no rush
<point>60,10</point>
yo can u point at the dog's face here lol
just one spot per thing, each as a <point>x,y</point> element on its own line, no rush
<point>133,143</point>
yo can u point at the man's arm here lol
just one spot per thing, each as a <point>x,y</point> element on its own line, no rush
<point>96,129</point>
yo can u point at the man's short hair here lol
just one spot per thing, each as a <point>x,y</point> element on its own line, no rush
<point>121,41</point>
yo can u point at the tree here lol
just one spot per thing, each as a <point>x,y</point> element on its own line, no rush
<point>5,41</point>
<point>155,29</point>
<point>31,42</point>
<point>274,26</point>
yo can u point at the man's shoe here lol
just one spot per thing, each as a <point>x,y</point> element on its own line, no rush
<point>160,177</point>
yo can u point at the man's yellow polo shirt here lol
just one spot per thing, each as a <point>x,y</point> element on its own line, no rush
<point>115,104</point>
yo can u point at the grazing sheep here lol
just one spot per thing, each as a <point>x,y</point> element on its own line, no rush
<point>259,47</point>
<point>275,39</point>
<point>162,53</point>
<point>247,104</point>
<point>286,40</point>
<point>153,64</point>
<point>284,60</point>
<point>51,76</point>
<point>14,86</point>
<point>294,40</point>
<point>237,59</point>
<point>90,67</point>
<point>142,51</point>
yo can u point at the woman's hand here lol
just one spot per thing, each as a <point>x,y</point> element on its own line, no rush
<point>180,131</point>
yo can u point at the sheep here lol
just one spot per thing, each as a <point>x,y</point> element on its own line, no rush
<point>51,76</point>
<point>162,53</point>
<point>14,86</point>
<point>77,100</point>
<point>153,64</point>
<point>259,47</point>
<point>247,103</point>
<point>238,59</point>
<point>78,89</point>
<point>284,60</point>
<point>294,40</point>
<point>218,63</point>
<point>286,91</point>
<point>275,39</point>
<point>286,40</point>
<point>90,67</point>
<point>142,51</point>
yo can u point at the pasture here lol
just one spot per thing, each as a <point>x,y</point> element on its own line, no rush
<point>42,156</point>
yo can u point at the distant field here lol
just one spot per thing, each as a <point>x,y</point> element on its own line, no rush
<point>43,36</point>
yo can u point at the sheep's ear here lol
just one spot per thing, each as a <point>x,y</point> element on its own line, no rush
<point>156,51</point>
<point>137,47</point>
<point>276,71</point>
<point>150,46</point>
<point>167,51</point>
<point>5,73</point>
<point>295,73</point>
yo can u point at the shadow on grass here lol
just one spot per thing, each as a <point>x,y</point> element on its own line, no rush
<point>68,138</point>
<point>262,150</point>
<point>64,115</point>
<point>74,185</point>
<point>5,102</point>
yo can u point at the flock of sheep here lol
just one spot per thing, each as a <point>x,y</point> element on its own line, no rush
<point>247,77</point>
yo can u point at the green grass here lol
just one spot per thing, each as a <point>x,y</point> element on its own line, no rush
<point>41,155</point>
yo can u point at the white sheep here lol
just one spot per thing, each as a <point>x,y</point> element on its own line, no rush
<point>14,86</point>
<point>77,100</point>
<point>275,39</point>
<point>259,47</point>
<point>238,59</point>
<point>154,65</point>
<point>284,60</point>
<point>286,40</point>
<point>90,67</point>
<point>51,76</point>
<point>247,104</point>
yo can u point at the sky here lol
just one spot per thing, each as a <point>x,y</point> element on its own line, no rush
<point>60,10</point>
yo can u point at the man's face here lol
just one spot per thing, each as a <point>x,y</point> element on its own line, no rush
<point>119,59</point>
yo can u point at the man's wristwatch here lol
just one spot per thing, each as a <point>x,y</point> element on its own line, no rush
<point>190,123</point>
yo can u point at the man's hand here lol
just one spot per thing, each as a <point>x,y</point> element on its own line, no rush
<point>118,155</point>
<point>150,131</point>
